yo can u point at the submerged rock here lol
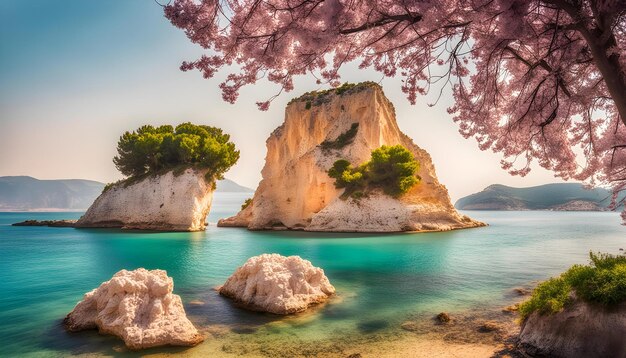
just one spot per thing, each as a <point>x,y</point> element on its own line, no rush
<point>489,326</point>
<point>443,318</point>
<point>169,202</point>
<point>278,284</point>
<point>296,192</point>
<point>580,330</point>
<point>137,306</point>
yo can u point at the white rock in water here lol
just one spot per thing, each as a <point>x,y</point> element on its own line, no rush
<point>278,284</point>
<point>297,193</point>
<point>137,306</point>
<point>169,202</point>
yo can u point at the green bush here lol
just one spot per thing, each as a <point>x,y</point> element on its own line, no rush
<point>150,150</point>
<point>603,281</point>
<point>246,203</point>
<point>392,169</point>
<point>343,139</point>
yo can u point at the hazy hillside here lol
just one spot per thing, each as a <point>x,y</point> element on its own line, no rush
<point>229,186</point>
<point>27,193</point>
<point>560,196</point>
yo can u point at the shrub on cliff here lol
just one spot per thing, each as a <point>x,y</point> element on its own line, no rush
<point>343,139</point>
<point>603,281</point>
<point>392,169</point>
<point>153,149</point>
<point>246,203</point>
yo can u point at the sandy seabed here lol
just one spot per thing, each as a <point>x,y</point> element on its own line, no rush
<point>469,334</point>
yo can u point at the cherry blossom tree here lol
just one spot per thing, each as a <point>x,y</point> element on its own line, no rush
<point>535,80</point>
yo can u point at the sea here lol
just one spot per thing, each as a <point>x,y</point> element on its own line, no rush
<point>382,280</point>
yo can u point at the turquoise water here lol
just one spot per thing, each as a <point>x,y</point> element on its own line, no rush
<point>380,279</point>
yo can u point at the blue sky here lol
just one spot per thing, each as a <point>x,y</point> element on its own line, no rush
<point>75,74</point>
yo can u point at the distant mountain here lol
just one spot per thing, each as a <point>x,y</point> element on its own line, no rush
<point>24,193</point>
<point>559,196</point>
<point>230,186</point>
<point>27,193</point>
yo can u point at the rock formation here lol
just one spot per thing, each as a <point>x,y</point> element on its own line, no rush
<point>580,330</point>
<point>169,202</point>
<point>277,284</point>
<point>137,306</point>
<point>296,192</point>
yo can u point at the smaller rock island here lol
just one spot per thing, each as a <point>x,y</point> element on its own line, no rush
<point>277,284</point>
<point>137,306</point>
<point>171,174</point>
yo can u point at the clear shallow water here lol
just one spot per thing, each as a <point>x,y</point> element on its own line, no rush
<point>381,279</point>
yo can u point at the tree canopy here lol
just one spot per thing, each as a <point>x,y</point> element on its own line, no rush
<point>153,149</point>
<point>392,169</point>
<point>536,80</point>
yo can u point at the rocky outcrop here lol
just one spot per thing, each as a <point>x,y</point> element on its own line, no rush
<point>137,306</point>
<point>169,202</point>
<point>50,223</point>
<point>577,205</point>
<point>296,192</point>
<point>277,284</point>
<point>580,330</point>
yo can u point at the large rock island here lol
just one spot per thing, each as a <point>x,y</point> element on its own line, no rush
<point>169,202</point>
<point>345,123</point>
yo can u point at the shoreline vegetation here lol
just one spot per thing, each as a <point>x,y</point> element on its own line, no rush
<point>602,282</point>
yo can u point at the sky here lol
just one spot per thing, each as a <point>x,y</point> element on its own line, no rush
<point>76,74</point>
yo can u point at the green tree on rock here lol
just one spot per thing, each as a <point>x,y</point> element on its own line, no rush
<point>150,150</point>
<point>392,169</point>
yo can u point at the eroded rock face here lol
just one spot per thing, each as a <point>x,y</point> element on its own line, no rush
<point>137,306</point>
<point>296,192</point>
<point>168,202</point>
<point>580,330</point>
<point>278,284</point>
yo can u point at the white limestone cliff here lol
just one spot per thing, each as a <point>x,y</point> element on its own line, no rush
<point>137,306</point>
<point>296,192</point>
<point>169,202</point>
<point>277,284</point>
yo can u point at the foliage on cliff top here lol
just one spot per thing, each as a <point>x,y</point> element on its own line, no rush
<point>316,98</point>
<point>603,281</point>
<point>392,169</point>
<point>151,150</point>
